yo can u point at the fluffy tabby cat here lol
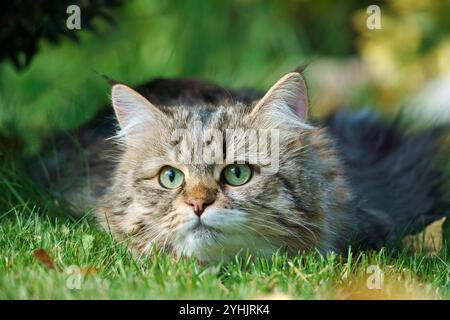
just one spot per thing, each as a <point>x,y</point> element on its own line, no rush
<point>354,180</point>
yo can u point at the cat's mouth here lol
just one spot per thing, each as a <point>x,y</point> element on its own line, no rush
<point>215,229</point>
<point>200,226</point>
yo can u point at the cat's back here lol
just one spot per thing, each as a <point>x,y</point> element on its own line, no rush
<point>393,171</point>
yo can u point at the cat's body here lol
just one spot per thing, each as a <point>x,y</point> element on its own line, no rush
<point>353,180</point>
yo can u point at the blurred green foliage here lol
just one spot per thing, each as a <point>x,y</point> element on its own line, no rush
<point>245,43</point>
<point>25,23</point>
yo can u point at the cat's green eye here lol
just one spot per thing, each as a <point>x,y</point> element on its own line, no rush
<point>237,174</point>
<point>171,177</point>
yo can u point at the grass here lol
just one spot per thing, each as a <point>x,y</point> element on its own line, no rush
<point>88,263</point>
<point>88,257</point>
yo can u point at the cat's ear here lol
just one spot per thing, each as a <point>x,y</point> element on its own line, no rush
<point>131,108</point>
<point>288,95</point>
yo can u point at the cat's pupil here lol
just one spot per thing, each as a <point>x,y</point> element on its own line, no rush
<point>171,175</point>
<point>237,172</point>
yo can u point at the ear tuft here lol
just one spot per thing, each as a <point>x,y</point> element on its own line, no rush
<point>290,90</point>
<point>131,108</point>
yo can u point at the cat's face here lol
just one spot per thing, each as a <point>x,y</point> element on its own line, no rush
<point>180,185</point>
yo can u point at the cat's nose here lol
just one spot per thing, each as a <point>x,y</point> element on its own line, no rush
<point>199,205</point>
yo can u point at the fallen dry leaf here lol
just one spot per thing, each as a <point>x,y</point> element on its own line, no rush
<point>429,240</point>
<point>391,289</point>
<point>272,296</point>
<point>42,256</point>
<point>89,270</point>
<point>82,270</point>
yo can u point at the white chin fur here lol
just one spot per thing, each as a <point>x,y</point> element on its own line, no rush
<point>221,235</point>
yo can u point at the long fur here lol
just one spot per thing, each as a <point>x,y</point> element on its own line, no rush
<point>395,175</point>
<point>352,179</point>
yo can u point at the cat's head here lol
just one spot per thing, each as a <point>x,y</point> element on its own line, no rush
<point>204,181</point>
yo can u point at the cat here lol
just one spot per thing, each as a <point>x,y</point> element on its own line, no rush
<point>350,179</point>
<point>353,181</point>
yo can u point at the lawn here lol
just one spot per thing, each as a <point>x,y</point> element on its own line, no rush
<point>85,262</point>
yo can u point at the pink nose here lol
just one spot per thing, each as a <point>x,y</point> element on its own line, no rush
<point>199,205</point>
